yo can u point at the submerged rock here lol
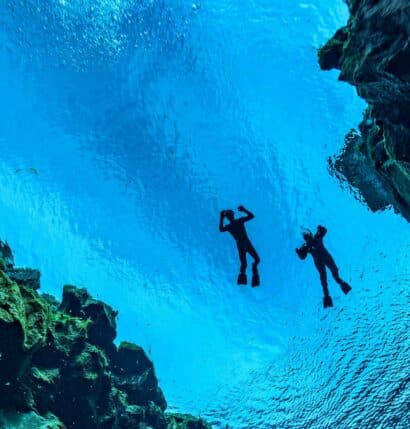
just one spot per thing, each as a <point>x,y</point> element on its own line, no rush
<point>59,367</point>
<point>29,420</point>
<point>25,276</point>
<point>373,53</point>
<point>185,421</point>
<point>6,255</point>
<point>103,329</point>
<point>134,374</point>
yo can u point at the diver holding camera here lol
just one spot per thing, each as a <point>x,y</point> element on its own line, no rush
<point>323,259</point>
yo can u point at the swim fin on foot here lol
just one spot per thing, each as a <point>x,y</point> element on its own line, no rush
<point>346,288</point>
<point>255,280</point>
<point>327,301</point>
<point>242,279</point>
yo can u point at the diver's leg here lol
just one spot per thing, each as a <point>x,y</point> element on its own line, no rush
<point>323,277</point>
<point>242,280</point>
<point>327,300</point>
<point>346,288</point>
<point>251,250</point>
<point>330,263</point>
<point>255,275</point>
<point>242,258</point>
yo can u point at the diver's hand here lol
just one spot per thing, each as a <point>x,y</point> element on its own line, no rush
<point>241,209</point>
<point>222,213</point>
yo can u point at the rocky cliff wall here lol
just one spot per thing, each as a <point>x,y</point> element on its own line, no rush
<point>372,53</point>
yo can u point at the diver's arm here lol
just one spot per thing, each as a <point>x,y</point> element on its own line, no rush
<point>321,231</point>
<point>222,228</point>
<point>249,215</point>
<point>303,251</point>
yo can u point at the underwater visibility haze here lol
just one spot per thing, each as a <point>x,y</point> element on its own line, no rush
<point>127,126</point>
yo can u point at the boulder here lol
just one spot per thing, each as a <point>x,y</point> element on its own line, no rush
<point>185,421</point>
<point>134,374</point>
<point>30,420</point>
<point>25,276</point>
<point>77,302</point>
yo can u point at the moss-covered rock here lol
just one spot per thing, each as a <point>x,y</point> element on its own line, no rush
<point>23,326</point>
<point>185,421</point>
<point>77,302</point>
<point>47,376</point>
<point>25,276</point>
<point>130,359</point>
<point>372,53</point>
<point>134,374</point>
<point>331,53</point>
<point>6,255</point>
<point>60,368</point>
<point>31,420</point>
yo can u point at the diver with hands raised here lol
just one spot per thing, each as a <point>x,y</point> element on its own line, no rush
<point>236,227</point>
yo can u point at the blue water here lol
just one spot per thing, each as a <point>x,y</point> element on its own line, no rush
<point>142,120</point>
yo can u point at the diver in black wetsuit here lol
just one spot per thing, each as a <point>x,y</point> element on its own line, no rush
<point>322,259</point>
<point>237,229</point>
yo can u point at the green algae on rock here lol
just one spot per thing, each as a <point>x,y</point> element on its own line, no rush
<point>372,53</point>
<point>29,420</point>
<point>60,368</point>
<point>6,255</point>
<point>185,421</point>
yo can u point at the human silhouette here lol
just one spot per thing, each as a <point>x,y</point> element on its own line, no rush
<point>238,231</point>
<point>322,258</point>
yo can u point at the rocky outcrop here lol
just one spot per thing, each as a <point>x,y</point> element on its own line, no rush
<point>6,256</point>
<point>31,420</point>
<point>26,276</point>
<point>59,367</point>
<point>180,421</point>
<point>372,53</point>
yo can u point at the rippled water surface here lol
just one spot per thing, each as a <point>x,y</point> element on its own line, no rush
<point>126,126</point>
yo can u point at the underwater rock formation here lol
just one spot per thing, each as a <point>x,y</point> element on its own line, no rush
<point>31,420</point>
<point>59,367</point>
<point>372,53</point>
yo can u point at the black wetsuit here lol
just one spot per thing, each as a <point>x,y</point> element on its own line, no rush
<point>237,229</point>
<point>321,257</point>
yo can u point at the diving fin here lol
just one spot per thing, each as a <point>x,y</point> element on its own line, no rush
<point>346,288</point>
<point>255,280</point>
<point>327,301</point>
<point>242,279</point>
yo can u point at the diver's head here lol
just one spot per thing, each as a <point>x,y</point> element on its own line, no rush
<point>230,215</point>
<point>307,236</point>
